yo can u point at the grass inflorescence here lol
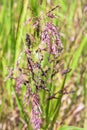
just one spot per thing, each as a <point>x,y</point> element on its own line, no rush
<point>43,53</point>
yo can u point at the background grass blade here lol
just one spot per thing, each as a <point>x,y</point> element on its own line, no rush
<point>20,28</point>
<point>70,128</point>
<point>74,59</point>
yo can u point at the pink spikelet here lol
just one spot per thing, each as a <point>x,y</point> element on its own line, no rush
<point>35,118</point>
<point>50,36</point>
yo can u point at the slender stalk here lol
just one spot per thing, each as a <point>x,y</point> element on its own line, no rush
<point>18,43</point>
<point>58,105</point>
<point>20,28</point>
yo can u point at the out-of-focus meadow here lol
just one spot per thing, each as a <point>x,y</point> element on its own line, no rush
<point>72,22</point>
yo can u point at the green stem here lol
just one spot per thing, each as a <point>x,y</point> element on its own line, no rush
<point>18,42</point>
<point>20,29</point>
<point>58,105</point>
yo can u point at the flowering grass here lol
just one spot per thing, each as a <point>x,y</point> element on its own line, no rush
<point>43,54</point>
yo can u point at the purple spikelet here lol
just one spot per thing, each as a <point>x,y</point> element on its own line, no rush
<point>19,81</point>
<point>50,36</point>
<point>35,113</point>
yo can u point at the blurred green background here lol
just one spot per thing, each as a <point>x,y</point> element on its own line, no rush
<point>72,21</point>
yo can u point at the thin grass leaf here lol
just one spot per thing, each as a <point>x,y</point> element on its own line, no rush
<point>76,56</point>
<point>20,28</point>
<point>85,99</point>
<point>70,128</point>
